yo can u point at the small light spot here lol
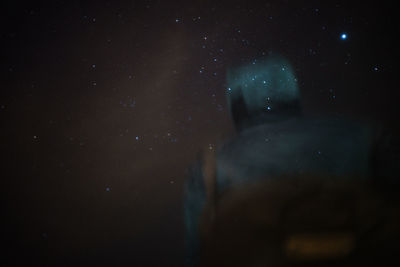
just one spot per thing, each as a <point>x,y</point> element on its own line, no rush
<point>269,108</point>
<point>137,137</point>
<point>108,189</point>
<point>343,36</point>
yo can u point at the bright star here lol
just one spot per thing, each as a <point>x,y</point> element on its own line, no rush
<point>343,36</point>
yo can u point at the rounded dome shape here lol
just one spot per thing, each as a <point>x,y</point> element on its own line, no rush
<point>266,86</point>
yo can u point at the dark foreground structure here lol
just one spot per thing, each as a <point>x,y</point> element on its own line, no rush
<point>290,190</point>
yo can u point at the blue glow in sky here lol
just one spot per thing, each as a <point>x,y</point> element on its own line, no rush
<point>271,78</point>
<point>343,36</point>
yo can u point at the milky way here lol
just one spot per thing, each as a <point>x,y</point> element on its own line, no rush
<point>104,105</point>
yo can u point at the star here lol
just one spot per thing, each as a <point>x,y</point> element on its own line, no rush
<point>343,36</point>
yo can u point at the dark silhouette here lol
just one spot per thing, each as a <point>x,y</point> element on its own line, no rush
<point>288,189</point>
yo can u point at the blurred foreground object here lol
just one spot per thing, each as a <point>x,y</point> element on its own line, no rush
<point>289,190</point>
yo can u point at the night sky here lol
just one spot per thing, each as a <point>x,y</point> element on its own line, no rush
<point>103,105</point>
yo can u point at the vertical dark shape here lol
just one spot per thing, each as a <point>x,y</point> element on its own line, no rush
<point>239,111</point>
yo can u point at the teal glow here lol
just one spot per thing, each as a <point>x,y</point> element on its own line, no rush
<point>267,81</point>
